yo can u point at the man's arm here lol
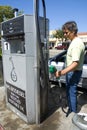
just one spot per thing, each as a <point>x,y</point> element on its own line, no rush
<point>67,69</point>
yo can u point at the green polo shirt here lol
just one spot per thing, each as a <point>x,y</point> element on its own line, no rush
<point>76,52</point>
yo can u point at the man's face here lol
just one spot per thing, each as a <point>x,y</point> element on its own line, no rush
<point>67,34</point>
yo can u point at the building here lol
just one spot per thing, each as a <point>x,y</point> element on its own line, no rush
<point>55,41</point>
<point>52,40</point>
<point>83,36</point>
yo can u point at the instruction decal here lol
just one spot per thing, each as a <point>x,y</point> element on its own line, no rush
<point>16,97</point>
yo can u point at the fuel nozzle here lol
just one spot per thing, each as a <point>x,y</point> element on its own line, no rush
<point>52,69</point>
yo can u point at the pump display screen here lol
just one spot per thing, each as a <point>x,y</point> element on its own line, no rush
<point>13,26</point>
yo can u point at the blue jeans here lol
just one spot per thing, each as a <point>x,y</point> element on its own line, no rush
<point>72,79</point>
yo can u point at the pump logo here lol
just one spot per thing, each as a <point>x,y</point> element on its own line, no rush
<point>13,73</point>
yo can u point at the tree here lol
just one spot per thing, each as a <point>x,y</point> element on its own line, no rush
<point>58,34</point>
<point>6,12</point>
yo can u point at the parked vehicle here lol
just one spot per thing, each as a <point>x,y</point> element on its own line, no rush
<point>62,46</point>
<point>59,62</point>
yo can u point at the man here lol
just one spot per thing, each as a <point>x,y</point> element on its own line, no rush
<point>74,63</point>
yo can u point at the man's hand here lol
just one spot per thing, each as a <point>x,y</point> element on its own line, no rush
<point>58,74</point>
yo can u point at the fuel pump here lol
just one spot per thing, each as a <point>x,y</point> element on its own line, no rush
<point>25,64</point>
<point>43,61</point>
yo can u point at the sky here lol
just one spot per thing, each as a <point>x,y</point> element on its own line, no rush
<point>57,11</point>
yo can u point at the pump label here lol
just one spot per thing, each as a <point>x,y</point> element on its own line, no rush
<point>6,46</point>
<point>16,97</point>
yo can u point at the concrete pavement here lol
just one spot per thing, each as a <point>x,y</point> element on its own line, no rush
<point>56,120</point>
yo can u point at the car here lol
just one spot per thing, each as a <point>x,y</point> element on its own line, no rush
<point>63,46</point>
<point>59,62</point>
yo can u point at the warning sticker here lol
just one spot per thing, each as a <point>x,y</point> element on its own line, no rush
<point>16,97</point>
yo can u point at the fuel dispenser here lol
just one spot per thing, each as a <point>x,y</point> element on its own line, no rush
<point>25,64</point>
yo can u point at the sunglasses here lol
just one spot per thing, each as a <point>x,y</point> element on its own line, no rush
<point>65,33</point>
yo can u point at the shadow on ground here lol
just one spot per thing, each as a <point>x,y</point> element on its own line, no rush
<point>57,98</point>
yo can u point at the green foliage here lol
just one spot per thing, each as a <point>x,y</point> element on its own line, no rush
<point>20,12</point>
<point>6,12</point>
<point>58,34</point>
